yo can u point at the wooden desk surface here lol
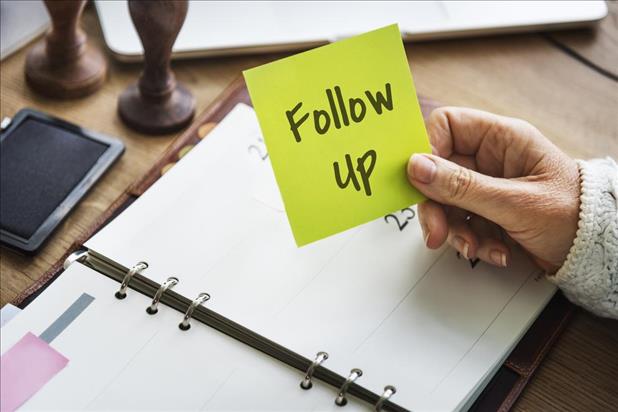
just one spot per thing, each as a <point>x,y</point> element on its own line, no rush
<point>560,82</point>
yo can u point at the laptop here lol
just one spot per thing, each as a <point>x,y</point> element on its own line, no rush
<point>217,28</point>
<point>20,22</point>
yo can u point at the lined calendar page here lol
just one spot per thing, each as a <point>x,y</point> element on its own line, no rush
<point>121,358</point>
<point>373,297</point>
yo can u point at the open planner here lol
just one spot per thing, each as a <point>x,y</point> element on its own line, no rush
<point>403,327</point>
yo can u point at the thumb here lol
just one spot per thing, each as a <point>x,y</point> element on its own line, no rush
<point>451,184</point>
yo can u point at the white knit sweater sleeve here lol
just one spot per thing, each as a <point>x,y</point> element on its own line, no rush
<point>589,276</point>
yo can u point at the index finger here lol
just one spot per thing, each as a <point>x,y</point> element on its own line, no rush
<point>462,130</point>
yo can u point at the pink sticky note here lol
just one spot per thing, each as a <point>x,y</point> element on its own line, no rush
<point>25,369</point>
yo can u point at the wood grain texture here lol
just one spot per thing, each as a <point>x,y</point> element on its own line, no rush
<point>580,373</point>
<point>206,79</point>
<point>598,45</point>
<point>522,76</point>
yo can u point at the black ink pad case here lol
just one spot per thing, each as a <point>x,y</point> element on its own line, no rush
<point>46,166</point>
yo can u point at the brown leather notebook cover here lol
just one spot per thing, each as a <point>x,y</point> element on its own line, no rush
<point>510,379</point>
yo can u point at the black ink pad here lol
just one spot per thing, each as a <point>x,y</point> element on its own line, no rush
<point>46,166</point>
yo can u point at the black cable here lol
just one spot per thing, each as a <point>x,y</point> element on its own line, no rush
<point>580,58</point>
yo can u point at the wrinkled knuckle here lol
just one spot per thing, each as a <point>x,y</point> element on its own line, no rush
<point>460,182</point>
<point>524,128</point>
<point>436,116</point>
<point>496,132</point>
<point>438,125</point>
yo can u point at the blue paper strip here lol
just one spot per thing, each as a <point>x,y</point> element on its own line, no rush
<point>66,318</point>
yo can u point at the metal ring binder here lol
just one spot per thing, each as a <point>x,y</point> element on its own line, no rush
<point>77,256</point>
<point>122,292</point>
<point>320,357</point>
<point>157,291</point>
<point>201,298</point>
<point>168,284</point>
<point>341,400</point>
<point>389,390</point>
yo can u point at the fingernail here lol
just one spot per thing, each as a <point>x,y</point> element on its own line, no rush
<point>461,245</point>
<point>421,168</point>
<point>426,238</point>
<point>498,258</point>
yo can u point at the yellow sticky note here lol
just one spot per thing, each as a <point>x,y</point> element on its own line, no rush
<point>340,123</point>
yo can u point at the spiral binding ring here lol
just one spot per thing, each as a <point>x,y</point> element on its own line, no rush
<point>122,292</point>
<point>201,298</point>
<point>341,400</point>
<point>320,357</point>
<point>389,390</point>
<point>77,256</point>
<point>168,284</point>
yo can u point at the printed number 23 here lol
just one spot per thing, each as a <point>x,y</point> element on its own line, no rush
<point>406,215</point>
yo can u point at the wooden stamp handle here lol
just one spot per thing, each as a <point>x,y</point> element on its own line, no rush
<point>158,23</point>
<point>66,40</point>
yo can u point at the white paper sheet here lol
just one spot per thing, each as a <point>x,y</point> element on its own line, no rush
<point>7,313</point>
<point>373,297</point>
<point>121,358</point>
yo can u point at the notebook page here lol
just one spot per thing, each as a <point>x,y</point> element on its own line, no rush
<point>373,297</point>
<point>121,358</point>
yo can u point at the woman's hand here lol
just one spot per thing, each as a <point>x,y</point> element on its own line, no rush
<point>491,176</point>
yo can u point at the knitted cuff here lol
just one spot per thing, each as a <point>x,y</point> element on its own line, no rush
<point>589,275</point>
